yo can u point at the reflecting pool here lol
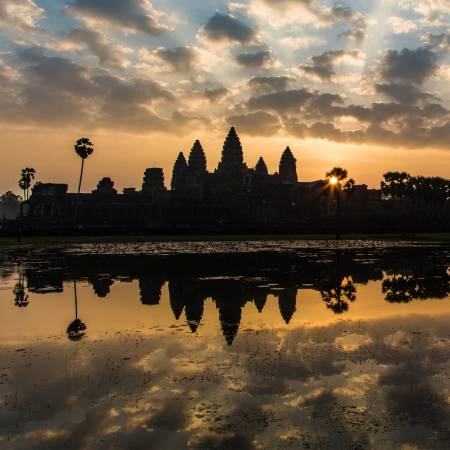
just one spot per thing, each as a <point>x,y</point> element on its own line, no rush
<point>225,345</point>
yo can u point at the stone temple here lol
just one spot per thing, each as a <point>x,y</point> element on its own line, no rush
<point>232,197</point>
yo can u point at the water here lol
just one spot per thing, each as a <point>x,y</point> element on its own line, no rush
<point>255,345</point>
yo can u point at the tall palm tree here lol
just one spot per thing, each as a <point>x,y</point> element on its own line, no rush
<point>76,329</point>
<point>335,180</point>
<point>83,148</point>
<point>26,177</point>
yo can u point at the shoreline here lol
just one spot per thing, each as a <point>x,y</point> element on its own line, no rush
<point>43,240</point>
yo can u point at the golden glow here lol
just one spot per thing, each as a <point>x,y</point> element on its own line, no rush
<point>333,181</point>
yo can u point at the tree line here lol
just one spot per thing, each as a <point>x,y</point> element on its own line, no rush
<point>402,186</point>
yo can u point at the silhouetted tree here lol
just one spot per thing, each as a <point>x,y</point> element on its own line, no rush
<point>335,179</point>
<point>26,177</point>
<point>76,329</point>
<point>83,148</point>
<point>402,185</point>
<point>395,185</point>
<point>9,205</point>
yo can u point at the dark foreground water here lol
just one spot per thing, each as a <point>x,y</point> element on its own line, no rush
<point>255,345</point>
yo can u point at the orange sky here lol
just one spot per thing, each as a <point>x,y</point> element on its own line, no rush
<point>124,157</point>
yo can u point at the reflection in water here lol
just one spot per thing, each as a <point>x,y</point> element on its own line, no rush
<point>371,383</point>
<point>21,298</point>
<point>232,282</point>
<point>76,329</point>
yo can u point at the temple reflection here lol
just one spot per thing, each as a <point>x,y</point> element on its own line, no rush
<point>231,282</point>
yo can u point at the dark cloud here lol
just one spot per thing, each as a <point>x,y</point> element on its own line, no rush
<point>342,12</point>
<point>57,91</point>
<point>407,65</point>
<point>356,34</point>
<point>262,58</point>
<point>180,59</point>
<point>308,101</point>
<point>270,84</point>
<point>215,94</point>
<point>321,66</point>
<point>402,92</point>
<point>223,27</point>
<point>283,101</point>
<point>93,40</point>
<point>133,15</point>
<point>258,123</point>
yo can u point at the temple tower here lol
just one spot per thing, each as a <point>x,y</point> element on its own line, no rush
<point>288,167</point>
<point>105,187</point>
<point>180,169</point>
<point>153,183</point>
<point>261,168</point>
<point>232,161</point>
<point>197,160</point>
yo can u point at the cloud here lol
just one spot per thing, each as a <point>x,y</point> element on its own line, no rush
<point>282,101</point>
<point>406,93</point>
<point>355,34</point>
<point>224,27</point>
<point>215,94</point>
<point>440,40</point>
<point>400,25</point>
<point>107,53</point>
<point>270,84</point>
<point>180,59</point>
<point>407,65</point>
<point>129,15</point>
<point>433,12</point>
<point>322,66</point>
<point>311,12</point>
<point>259,123</point>
<point>55,90</point>
<point>259,59</point>
<point>395,124</point>
<point>23,14</point>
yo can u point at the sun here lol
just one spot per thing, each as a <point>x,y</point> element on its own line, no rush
<point>333,180</point>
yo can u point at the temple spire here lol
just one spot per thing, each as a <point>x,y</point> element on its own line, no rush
<point>180,169</point>
<point>232,157</point>
<point>288,167</point>
<point>197,159</point>
<point>261,167</point>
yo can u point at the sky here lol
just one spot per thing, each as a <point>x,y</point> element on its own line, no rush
<point>359,84</point>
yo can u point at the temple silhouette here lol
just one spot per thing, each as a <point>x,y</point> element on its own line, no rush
<point>233,197</point>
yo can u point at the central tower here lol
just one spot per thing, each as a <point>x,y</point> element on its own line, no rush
<point>232,162</point>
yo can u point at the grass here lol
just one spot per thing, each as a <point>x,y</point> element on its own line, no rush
<point>67,240</point>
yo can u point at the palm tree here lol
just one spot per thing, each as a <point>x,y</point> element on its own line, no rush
<point>26,177</point>
<point>76,329</point>
<point>83,148</point>
<point>335,181</point>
